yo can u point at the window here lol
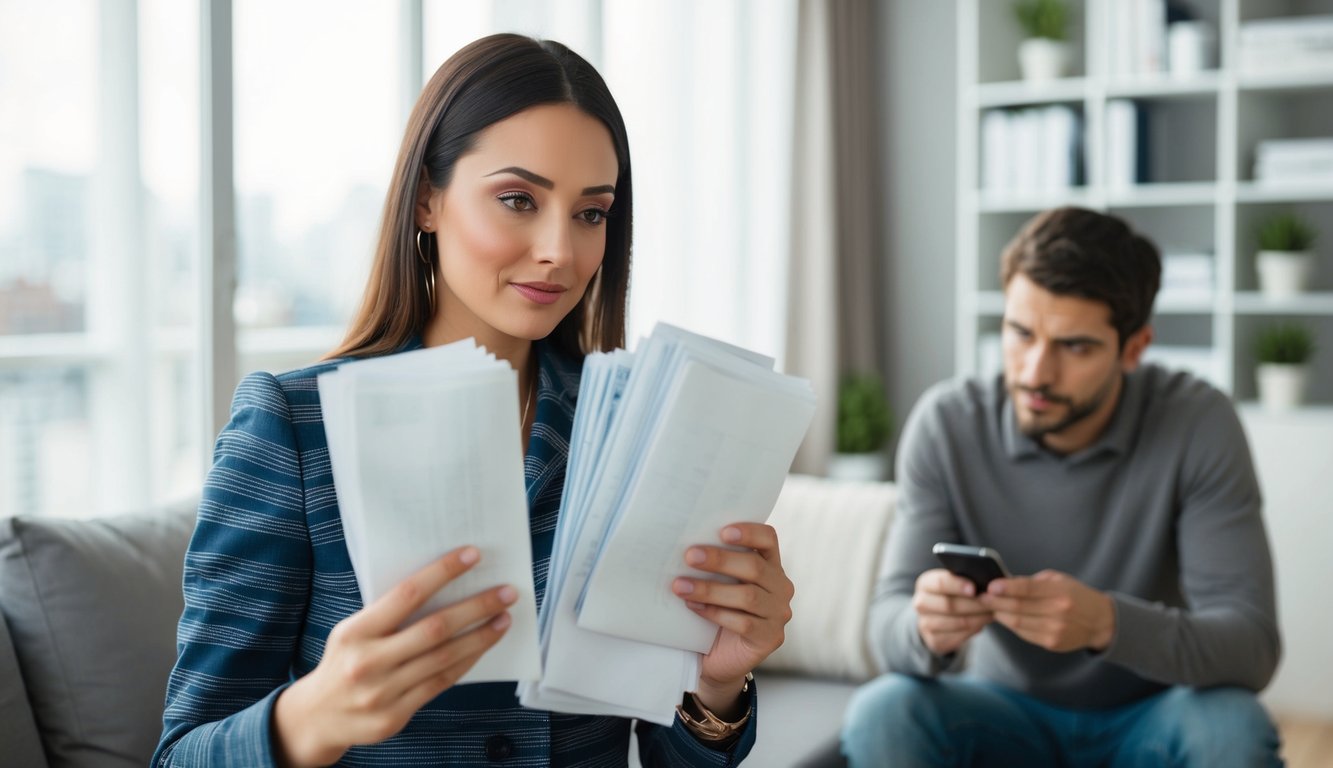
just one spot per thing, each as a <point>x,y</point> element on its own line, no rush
<point>316,136</point>
<point>98,256</point>
<point>103,399</point>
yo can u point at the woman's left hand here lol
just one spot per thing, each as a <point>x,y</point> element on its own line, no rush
<point>752,613</point>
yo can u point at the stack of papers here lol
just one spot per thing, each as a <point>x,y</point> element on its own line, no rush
<point>1295,161</point>
<point>1031,151</point>
<point>1286,45</point>
<point>426,456</point>
<point>669,445</point>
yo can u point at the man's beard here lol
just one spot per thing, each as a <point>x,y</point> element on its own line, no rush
<point>1074,411</point>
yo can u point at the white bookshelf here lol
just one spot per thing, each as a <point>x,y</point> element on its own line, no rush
<point>1202,196</point>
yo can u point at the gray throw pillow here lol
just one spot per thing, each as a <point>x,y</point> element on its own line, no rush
<point>18,731</point>
<point>92,607</point>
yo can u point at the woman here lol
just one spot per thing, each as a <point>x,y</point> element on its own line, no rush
<point>507,220</point>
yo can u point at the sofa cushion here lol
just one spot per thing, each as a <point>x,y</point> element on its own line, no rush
<point>832,536</point>
<point>92,606</point>
<point>18,730</point>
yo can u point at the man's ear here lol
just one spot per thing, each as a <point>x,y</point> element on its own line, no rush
<point>422,209</point>
<point>1137,343</point>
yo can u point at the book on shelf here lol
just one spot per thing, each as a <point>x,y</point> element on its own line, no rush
<point>1128,149</point>
<point>1027,148</point>
<point>1138,35</point>
<point>1200,361</point>
<point>1187,277</point>
<point>1031,151</point>
<point>1286,45</point>
<point>1294,161</point>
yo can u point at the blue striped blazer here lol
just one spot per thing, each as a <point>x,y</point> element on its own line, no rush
<point>267,575</point>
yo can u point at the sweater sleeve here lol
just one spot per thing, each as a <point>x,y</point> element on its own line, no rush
<point>1227,634</point>
<point>247,575</point>
<point>922,518</point>
<point>661,747</point>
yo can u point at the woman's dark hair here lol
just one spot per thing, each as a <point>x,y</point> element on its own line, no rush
<point>1077,252</point>
<point>480,85</point>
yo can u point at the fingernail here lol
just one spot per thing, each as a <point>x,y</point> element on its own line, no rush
<point>469,555</point>
<point>508,595</point>
<point>682,586</point>
<point>996,588</point>
<point>695,557</point>
<point>731,535</point>
<point>501,621</point>
<point>693,606</point>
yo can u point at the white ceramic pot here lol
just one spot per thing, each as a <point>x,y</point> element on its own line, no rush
<point>1189,48</point>
<point>1281,385</point>
<point>1042,59</point>
<point>859,467</point>
<point>1283,273</point>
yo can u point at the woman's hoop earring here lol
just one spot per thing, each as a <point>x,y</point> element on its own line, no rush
<point>428,275</point>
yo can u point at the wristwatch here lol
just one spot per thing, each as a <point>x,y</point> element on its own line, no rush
<point>705,725</point>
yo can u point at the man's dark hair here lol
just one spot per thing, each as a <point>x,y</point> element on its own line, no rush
<point>1078,252</point>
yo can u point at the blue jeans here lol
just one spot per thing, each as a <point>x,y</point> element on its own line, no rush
<point>898,720</point>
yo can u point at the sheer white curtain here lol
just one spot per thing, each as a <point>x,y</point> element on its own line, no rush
<point>811,320</point>
<point>835,305</point>
<point>707,92</point>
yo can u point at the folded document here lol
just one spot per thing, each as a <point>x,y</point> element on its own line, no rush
<point>669,445</point>
<point>426,457</point>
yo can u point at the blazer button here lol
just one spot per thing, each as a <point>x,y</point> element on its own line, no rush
<point>498,747</point>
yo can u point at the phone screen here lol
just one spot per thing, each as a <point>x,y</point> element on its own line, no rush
<point>980,565</point>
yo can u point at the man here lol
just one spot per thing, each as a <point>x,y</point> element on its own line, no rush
<point>1140,619</point>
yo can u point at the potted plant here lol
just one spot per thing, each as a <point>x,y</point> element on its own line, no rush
<point>1284,262</point>
<point>1283,351</point>
<point>864,426</point>
<point>1044,54</point>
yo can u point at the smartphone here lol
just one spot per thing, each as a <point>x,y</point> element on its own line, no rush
<point>980,565</point>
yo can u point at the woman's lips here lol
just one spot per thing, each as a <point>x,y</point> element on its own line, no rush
<point>540,293</point>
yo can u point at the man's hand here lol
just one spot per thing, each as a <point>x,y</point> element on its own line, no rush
<point>947,610</point>
<point>1053,610</point>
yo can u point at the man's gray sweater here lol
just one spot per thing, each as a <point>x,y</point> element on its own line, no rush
<point>1163,512</point>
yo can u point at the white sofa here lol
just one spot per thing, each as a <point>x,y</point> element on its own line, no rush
<point>832,535</point>
<point>88,613</point>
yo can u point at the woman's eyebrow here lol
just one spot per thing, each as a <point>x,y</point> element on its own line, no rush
<point>546,183</point>
<point>526,175</point>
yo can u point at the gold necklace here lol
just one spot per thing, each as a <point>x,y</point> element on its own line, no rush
<point>527,401</point>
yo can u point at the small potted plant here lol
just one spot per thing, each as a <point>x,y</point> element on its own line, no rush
<point>1044,54</point>
<point>1283,351</point>
<point>1284,261</point>
<point>864,426</point>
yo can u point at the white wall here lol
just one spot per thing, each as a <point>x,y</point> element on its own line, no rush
<point>1294,456</point>
<point>918,49</point>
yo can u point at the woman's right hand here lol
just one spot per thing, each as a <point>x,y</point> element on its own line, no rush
<point>374,676</point>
